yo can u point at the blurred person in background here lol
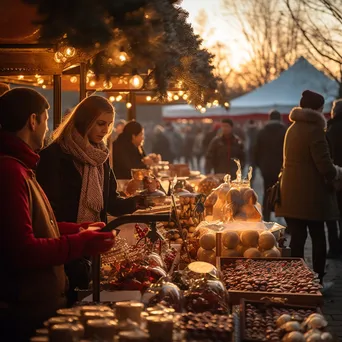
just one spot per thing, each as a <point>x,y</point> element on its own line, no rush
<point>334,136</point>
<point>222,151</point>
<point>198,147</point>
<point>268,154</point>
<point>189,140</point>
<point>128,152</point>
<point>161,144</point>
<point>176,142</point>
<point>209,136</point>
<point>308,197</point>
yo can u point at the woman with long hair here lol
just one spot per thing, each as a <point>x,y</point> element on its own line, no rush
<point>128,152</point>
<point>75,174</point>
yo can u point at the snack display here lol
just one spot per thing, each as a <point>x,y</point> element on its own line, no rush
<point>206,326</point>
<point>275,322</point>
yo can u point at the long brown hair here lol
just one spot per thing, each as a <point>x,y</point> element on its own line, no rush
<point>83,117</point>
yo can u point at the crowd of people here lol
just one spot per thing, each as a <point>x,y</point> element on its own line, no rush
<point>55,200</point>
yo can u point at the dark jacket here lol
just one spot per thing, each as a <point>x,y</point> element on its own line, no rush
<point>126,157</point>
<point>33,247</point>
<point>221,153</point>
<point>308,170</point>
<point>62,184</point>
<point>161,145</point>
<point>268,149</point>
<point>334,135</point>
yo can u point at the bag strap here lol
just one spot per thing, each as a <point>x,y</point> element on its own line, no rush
<point>28,188</point>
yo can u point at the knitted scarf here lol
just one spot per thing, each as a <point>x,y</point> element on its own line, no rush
<point>89,160</point>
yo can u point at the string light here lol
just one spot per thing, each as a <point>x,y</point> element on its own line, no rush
<point>129,105</point>
<point>176,97</point>
<point>107,84</point>
<point>199,107</point>
<point>226,104</point>
<point>209,105</point>
<point>59,57</point>
<point>181,93</point>
<point>185,96</point>
<point>20,77</point>
<point>69,51</point>
<point>203,110</point>
<point>123,57</point>
<point>111,98</point>
<point>90,73</point>
<point>148,98</point>
<point>92,83</point>
<point>43,86</point>
<point>136,82</point>
<point>73,79</point>
<point>215,103</point>
<point>40,80</point>
<point>118,98</point>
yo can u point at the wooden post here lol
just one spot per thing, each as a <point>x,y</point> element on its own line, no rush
<point>83,81</point>
<point>132,112</point>
<point>57,100</point>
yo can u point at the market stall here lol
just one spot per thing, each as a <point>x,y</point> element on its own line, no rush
<point>203,267</point>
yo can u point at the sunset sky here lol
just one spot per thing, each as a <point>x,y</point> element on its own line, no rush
<point>226,28</point>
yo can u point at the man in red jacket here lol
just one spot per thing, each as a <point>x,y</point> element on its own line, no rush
<point>33,246</point>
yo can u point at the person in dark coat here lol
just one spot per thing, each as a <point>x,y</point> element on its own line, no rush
<point>33,245</point>
<point>268,154</point>
<point>209,136</point>
<point>334,135</point>
<point>161,144</point>
<point>75,174</point>
<point>223,149</point>
<point>308,197</point>
<point>128,152</point>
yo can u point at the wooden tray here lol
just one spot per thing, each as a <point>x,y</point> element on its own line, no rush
<point>293,298</point>
<point>244,302</point>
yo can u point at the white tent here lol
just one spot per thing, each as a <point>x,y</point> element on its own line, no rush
<point>284,93</point>
<point>281,94</point>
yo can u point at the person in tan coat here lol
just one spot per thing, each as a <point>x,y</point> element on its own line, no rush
<point>308,196</point>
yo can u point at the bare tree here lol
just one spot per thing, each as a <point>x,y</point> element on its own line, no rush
<point>274,39</point>
<point>320,24</point>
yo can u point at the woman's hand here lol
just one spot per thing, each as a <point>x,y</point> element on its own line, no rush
<point>91,225</point>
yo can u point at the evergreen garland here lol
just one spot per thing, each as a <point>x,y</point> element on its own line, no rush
<point>153,33</point>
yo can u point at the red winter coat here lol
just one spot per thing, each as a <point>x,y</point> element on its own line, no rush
<point>33,247</point>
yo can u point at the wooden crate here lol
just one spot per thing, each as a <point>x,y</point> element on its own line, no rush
<point>293,298</point>
<point>244,303</point>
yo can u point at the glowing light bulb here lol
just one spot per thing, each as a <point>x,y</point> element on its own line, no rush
<point>59,57</point>
<point>123,56</point>
<point>215,103</point>
<point>203,110</point>
<point>73,79</point>
<point>107,84</point>
<point>209,105</point>
<point>90,73</point>
<point>148,98</point>
<point>119,98</point>
<point>185,96</point>
<point>226,104</point>
<point>128,105</point>
<point>176,97</point>
<point>92,83</point>
<point>20,77</point>
<point>181,93</point>
<point>136,82</point>
<point>43,86</point>
<point>69,51</point>
<point>169,94</point>
<point>111,98</point>
<point>40,80</point>
<point>199,107</point>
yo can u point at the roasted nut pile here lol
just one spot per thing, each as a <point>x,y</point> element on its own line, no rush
<point>270,276</point>
<point>261,322</point>
<point>205,325</point>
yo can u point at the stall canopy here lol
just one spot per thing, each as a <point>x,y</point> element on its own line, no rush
<point>285,92</point>
<point>281,94</point>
